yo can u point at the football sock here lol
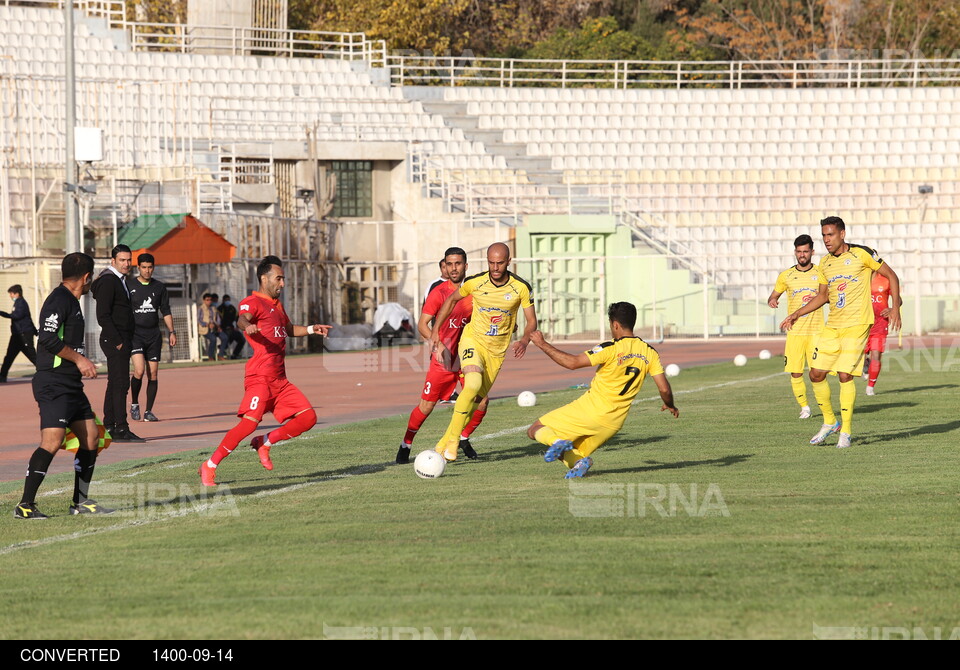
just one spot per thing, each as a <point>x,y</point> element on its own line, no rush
<point>36,471</point>
<point>231,440</point>
<point>472,426</point>
<point>873,373</point>
<point>472,383</point>
<point>413,425</point>
<point>848,398</point>
<point>301,423</point>
<point>135,385</point>
<point>571,457</point>
<point>799,390</point>
<point>151,393</point>
<point>821,391</point>
<point>545,435</point>
<point>84,464</point>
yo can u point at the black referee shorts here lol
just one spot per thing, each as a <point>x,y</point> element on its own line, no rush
<point>61,400</point>
<point>147,343</point>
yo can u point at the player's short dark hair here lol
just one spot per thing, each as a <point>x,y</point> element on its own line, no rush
<point>214,296</point>
<point>16,288</point>
<point>623,313</point>
<point>803,241</point>
<point>206,295</point>
<point>145,258</point>
<point>75,265</point>
<point>119,249</point>
<point>264,266</point>
<point>455,251</point>
<point>833,221</point>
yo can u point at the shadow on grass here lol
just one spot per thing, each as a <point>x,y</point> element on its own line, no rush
<point>867,409</point>
<point>935,387</point>
<point>653,466</point>
<point>532,448</point>
<point>920,430</point>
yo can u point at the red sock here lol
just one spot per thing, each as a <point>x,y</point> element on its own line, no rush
<point>474,422</point>
<point>413,425</point>
<point>301,423</point>
<point>232,439</point>
<point>874,372</point>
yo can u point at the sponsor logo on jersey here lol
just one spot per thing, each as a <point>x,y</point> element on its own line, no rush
<point>623,358</point>
<point>495,309</point>
<point>147,307</point>
<point>244,308</point>
<point>51,323</point>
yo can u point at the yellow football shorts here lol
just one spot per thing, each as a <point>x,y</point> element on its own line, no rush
<point>473,354</point>
<point>841,349</point>
<point>798,352</point>
<point>579,423</point>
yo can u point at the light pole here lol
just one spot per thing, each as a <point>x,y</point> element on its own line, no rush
<point>74,236</point>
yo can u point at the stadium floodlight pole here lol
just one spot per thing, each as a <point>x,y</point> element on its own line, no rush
<point>74,237</point>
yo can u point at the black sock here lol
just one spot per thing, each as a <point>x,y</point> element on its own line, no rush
<point>36,471</point>
<point>151,393</point>
<point>135,385</point>
<point>83,464</point>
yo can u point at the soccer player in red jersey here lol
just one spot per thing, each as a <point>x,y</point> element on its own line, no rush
<point>266,388</point>
<point>876,342</point>
<point>442,377</point>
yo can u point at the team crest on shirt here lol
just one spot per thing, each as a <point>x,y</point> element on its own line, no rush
<point>596,350</point>
<point>244,308</point>
<point>508,296</point>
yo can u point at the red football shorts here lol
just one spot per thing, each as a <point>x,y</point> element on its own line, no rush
<point>263,394</point>
<point>877,341</point>
<point>439,384</point>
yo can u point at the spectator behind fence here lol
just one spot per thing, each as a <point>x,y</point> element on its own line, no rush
<point>208,325</point>
<point>228,324</point>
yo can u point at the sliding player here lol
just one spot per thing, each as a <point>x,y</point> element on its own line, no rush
<point>576,430</point>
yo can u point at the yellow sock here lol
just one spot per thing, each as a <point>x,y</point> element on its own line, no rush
<point>848,398</point>
<point>821,391</point>
<point>462,411</point>
<point>545,435</point>
<point>571,457</point>
<point>799,390</point>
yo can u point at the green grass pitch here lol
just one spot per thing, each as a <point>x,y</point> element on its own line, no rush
<point>724,523</point>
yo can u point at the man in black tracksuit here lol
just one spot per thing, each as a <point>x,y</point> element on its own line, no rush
<point>21,331</point>
<point>115,316</point>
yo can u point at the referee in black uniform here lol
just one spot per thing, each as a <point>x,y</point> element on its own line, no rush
<point>150,302</point>
<point>115,316</point>
<point>58,390</point>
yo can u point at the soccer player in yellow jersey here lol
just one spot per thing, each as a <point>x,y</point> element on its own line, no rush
<point>576,430</point>
<point>498,296</point>
<point>844,276</point>
<point>801,284</point>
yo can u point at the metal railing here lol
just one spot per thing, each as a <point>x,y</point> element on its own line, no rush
<point>454,71</point>
<point>245,41</point>
<point>114,11</point>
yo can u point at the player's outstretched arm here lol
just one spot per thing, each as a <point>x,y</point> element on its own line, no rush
<point>562,358</point>
<point>821,299</point>
<point>893,311</point>
<point>315,329</point>
<point>774,300</point>
<point>666,395</point>
<point>520,346</point>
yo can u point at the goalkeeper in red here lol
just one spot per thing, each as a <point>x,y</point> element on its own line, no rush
<point>266,387</point>
<point>576,430</point>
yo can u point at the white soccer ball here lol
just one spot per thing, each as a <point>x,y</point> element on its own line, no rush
<point>672,370</point>
<point>740,360</point>
<point>429,464</point>
<point>527,399</point>
<point>764,354</point>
